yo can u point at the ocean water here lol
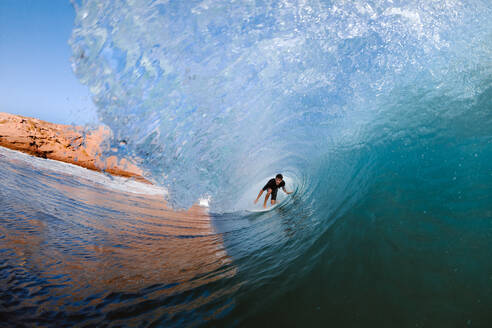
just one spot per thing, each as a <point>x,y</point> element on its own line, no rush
<point>379,113</point>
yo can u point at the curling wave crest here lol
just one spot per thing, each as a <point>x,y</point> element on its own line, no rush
<point>212,95</point>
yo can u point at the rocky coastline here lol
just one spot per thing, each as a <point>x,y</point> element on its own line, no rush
<point>65,143</point>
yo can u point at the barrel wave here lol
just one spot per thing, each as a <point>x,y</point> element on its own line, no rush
<point>210,96</point>
<point>378,113</point>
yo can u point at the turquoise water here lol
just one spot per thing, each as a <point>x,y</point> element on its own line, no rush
<point>380,115</point>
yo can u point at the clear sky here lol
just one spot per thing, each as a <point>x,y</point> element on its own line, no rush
<point>35,74</point>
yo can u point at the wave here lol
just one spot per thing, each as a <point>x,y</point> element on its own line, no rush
<point>372,110</point>
<point>377,114</point>
<point>210,98</point>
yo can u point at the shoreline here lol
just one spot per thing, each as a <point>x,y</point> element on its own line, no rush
<point>64,143</point>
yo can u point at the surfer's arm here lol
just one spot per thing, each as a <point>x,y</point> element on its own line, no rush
<point>285,190</point>
<point>259,195</point>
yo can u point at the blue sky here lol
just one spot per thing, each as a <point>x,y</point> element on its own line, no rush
<point>35,74</point>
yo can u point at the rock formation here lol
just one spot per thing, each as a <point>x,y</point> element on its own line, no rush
<point>66,143</point>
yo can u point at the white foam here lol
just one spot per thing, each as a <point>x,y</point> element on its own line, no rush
<point>204,201</point>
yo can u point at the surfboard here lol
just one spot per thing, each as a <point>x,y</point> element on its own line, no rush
<point>261,209</point>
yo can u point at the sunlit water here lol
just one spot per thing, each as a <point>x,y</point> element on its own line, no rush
<point>379,114</point>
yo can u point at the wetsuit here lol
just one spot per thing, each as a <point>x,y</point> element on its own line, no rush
<point>272,185</point>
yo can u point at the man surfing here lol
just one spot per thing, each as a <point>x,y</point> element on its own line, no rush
<point>272,188</point>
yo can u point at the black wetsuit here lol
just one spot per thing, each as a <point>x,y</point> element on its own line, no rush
<point>272,185</point>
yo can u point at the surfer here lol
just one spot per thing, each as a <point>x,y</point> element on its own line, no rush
<point>272,188</point>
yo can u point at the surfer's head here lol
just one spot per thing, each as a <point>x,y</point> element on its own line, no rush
<point>278,178</point>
